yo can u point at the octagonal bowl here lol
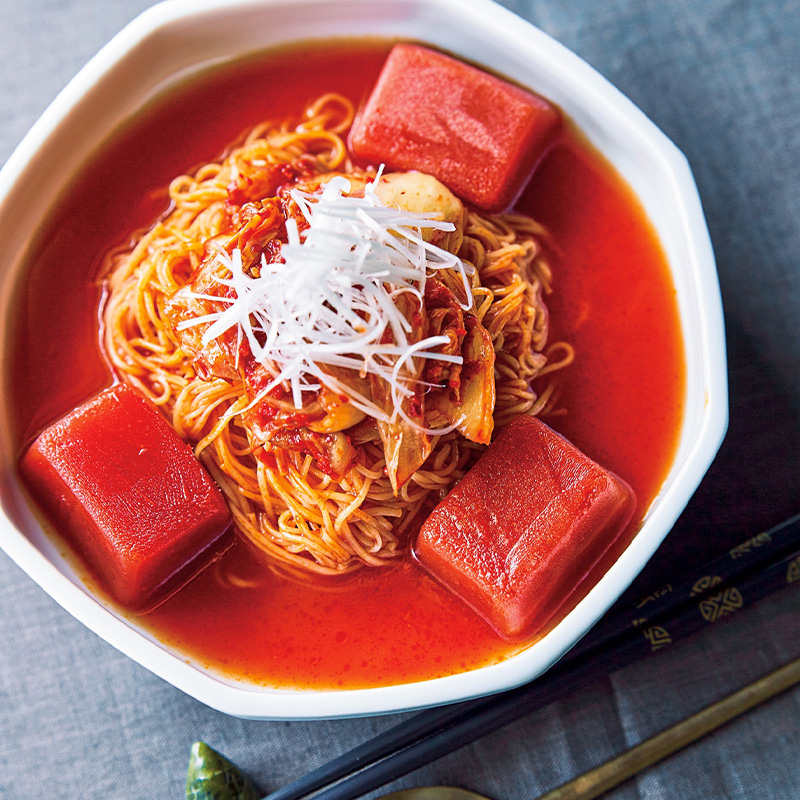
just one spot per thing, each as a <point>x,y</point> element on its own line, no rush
<point>173,40</point>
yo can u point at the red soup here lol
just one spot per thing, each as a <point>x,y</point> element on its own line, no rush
<point>612,300</point>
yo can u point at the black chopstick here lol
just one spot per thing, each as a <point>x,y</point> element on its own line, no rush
<point>745,574</point>
<point>750,556</point>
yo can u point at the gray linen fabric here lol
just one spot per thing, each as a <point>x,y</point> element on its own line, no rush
<point>722,79</point>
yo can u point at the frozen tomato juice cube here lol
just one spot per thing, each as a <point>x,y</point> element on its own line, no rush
<point>128,495</point>
<point>478,134</point>
<point>523,528</point>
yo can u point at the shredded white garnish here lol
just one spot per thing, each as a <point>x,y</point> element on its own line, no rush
<point>333,298</point>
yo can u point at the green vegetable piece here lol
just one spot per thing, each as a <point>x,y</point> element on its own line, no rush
<point>212,777</point>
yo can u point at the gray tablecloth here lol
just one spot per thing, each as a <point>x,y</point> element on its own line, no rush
<point>722,79</point>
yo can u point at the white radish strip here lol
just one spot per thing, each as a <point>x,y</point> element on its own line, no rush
<point>332,300</point>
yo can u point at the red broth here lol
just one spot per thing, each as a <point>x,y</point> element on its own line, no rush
<point>622,397</point>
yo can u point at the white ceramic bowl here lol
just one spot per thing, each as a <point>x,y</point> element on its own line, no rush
<point>175,38</point>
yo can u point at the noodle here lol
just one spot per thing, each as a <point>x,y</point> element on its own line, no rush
<point>283,501</point>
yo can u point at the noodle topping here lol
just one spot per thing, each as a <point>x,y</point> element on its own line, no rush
<point>333,298</point>
<point>343,311</point>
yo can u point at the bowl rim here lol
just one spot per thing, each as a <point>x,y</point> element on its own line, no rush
<point>248,701</point>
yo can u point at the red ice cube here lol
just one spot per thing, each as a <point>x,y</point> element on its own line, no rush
<point>478,134</point>
<point>523,528</point>
<point>128,495</point>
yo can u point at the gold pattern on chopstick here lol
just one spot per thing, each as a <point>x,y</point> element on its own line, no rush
<point>704,584</point>
<point>657,636</point>
<point>745,547</point>
<point>793,572</point>
<point>657,595</point>
<point>720,605</point>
